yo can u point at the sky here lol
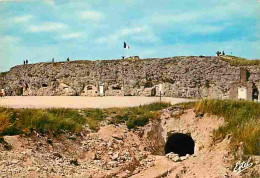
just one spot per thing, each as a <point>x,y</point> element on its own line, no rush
<point>39,30</point>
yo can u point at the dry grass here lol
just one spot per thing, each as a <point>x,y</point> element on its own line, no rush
<point>58,121</point>
<point>137,116</point>
<point>238,61</point>
<point>4,122</point>
<point>55,121</point>
<point>242,121</point>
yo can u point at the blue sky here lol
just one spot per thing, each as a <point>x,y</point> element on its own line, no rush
<point>39,30</point>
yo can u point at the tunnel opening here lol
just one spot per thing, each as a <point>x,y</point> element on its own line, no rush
<point>180,144</point>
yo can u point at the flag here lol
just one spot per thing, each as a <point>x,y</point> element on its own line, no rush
<point>126,46</point>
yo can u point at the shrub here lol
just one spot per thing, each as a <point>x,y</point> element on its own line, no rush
<point>4,122</point>
<point>139,120</point>
<point>119,119</point>
<point>136,116</point>
<point>94,117</point>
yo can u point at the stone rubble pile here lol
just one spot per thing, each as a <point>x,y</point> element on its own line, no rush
<point>86,155</point>
<point>176,158</point>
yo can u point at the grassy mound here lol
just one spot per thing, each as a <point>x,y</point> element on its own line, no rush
<point>57,121</point>
<point>242,121</point>
<point>238,61</point>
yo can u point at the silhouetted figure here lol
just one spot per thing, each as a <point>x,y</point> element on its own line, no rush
<point>218,53</point>
<point>23,62</point>
<point>68,59</point>
<point>223,53</point>
<point>26,61</point>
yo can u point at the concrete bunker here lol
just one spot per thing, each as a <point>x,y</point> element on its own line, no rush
<point>180,144</point>
<point>8,90</point>
<point>90,90</point>
<point>244,89</point>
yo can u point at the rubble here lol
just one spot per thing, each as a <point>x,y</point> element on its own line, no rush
<point>93,154</point>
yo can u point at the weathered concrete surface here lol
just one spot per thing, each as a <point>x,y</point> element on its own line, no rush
<point>194,77</point>
<point>81,102</point>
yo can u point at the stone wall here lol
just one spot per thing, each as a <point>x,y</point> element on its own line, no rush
<point>180,77</point>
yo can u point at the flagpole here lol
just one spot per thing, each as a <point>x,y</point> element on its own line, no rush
<point>123,53</point>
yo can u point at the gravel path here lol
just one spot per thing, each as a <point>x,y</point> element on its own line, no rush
<point>81,102</point>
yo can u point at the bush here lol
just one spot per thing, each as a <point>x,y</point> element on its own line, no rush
<point>136,116</point>
<point>94,117</point>
<point>139,120</point>
<point>4,122</point>
<point>119,119</point>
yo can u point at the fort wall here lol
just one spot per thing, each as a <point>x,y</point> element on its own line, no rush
<point>188,77</point>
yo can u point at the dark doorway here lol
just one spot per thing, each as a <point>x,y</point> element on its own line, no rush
<point>255,94</point>
<point>21,91</point>
<point>116,87</point>
<point>180,144</point>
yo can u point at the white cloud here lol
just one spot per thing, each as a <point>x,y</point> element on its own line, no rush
<point>214,14</point>
<point>22,19</point>
<point>8,40</point>
<point>73,35</point>
<point>47,27</point>
<point>135,30</point>
<point>121,33</point>
<point>92,15</point>
<point>204,29</point>
<point>17,0</point>
<point>50,2</point>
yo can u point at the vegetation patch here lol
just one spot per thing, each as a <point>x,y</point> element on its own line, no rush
<point>242,121</point>
<point>58,121</point>
<point>2,74</point>
<point>238,61</point>
<point>94,117</point>
<point>137,116</point>
<point>55,121</point>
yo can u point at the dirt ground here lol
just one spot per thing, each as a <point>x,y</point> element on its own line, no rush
<point>78,102</point>
<point>116,151</point>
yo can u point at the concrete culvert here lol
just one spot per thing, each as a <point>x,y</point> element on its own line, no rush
<point>180,144</point>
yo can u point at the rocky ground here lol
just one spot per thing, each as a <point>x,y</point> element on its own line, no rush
<point>115,151</point>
